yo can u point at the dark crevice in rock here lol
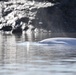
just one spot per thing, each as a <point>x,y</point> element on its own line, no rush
<point>4,0</point>
<point>7,12</point>
<point>6,28</point>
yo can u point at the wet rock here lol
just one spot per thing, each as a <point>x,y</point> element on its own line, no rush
<point>6,28</point>
<point>17,30</point>
<point>26,28</point>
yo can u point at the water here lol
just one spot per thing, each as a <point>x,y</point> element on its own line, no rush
<point>31,59</point>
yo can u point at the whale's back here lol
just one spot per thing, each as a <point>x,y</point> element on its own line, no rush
<point>71,41</point>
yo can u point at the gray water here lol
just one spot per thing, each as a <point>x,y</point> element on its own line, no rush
<point>31,59</point>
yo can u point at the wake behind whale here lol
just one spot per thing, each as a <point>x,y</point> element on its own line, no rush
<point>53,41</point>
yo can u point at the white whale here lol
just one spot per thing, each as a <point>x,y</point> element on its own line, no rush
<point>59,40</point>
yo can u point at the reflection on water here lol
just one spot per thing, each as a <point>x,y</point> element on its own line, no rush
<point>32,59</point>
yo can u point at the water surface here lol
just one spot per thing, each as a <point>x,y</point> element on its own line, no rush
<point>31,59</point>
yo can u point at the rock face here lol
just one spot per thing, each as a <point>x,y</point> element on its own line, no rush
<point>68,9</point>
<point>54,15</point>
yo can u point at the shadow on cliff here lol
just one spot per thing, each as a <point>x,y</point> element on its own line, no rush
<point>58,18</point>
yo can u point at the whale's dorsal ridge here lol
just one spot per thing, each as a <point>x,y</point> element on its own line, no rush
<point>59,40</point>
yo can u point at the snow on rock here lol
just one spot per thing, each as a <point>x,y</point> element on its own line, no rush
<point>11,11</point>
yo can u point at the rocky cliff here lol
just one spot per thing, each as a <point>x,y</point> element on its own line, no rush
<point>54,15</point>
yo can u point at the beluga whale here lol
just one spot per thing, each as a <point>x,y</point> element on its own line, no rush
<point>59,40</point>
